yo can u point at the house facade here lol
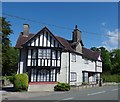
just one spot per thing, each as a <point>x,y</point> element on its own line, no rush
<point>49,59</point>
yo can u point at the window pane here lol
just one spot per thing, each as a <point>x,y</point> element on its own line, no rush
<point>34,53</point>
<point>73,58</point>
<point>39,53</point>
<point>73,77</point>
<point>44,53</point>
<point>48,53</point>
<point>53,54</point>
<point>85,77</point>
<point>29,53</point>
<point>33,62</point>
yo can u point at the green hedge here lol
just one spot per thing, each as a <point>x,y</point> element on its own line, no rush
<point>84,83</point>
<point>62,87</point>
<point>111,78</point>
<point>11,79</point>
<point>21,82</point>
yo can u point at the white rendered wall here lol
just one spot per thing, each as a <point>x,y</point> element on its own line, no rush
<point>76,67</point>
<point>88,67</point>
<point>63,75</point>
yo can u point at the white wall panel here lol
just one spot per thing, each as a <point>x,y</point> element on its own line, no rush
<point>38,62</point>
<point>41,39</point>
<point>37,41</point>
<point>32,43</point>
<point>45,40</point>
<point>52,42</point>
<point>48,62</point>
<point>48,41</point>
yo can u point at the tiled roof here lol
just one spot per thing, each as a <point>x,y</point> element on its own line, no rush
<point>67,44</point>
<point>22,39</point>
<point>90,54</point>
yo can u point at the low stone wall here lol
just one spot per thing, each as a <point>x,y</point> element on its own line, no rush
<point>84,86</point>
<point>36,87</point>
<point>110,83</point>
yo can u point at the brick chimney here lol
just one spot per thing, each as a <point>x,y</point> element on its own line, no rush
<point>25,30</point>
<point>77,39</point>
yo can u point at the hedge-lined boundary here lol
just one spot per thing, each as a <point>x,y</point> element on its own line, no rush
<point>111,78</point>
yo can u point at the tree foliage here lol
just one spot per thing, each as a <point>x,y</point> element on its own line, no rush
<point>6,31</point>
<point>110,60</point>
<point>115,59</point>
<point>9,53</point>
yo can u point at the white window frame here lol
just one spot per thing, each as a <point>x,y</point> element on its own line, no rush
<point>73,57</point>
<point>86,61</point>
<point>73,76</point>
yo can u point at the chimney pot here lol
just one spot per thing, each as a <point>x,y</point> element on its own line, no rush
<point>76,26</point>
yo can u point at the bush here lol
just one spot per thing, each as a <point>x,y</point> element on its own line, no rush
<point>62,87</point>
<point>84,83</point>
<point>11,79</point>
<point>21,82</point>
<point>111,78</point>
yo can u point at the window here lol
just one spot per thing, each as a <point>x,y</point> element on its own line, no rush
<point>44,53</point>
<point>73,58</point>
<point>53,54</point>
<point>52,75</point>
<point>29,58</point>
<point>86,61</point>
<point>43,75</point>
<point>85,77</point>
<point>33,75</point>
<point>73,76</point>
<point>42,57</point>
<point>34,52</point>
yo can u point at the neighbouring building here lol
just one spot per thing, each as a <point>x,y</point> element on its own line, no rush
<point>49,59</point>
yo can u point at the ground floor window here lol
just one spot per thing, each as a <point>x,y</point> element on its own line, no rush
<point>73,76</point>
<point>90,77</point>
<point>43,75</point>
<point>85,77</point>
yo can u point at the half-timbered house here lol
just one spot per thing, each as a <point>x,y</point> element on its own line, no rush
<point>49,59</point>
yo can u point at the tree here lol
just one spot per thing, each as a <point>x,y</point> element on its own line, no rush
<point>106,61</point>
<point>10,61</point>
<point>6,31</point>
<point>94,49</point>
<point>9,53</point>
<point>115,59</point>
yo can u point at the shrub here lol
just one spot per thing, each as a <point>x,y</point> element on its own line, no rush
<point>11,79</point>
<point>84,83</point>
<point>111,78</point>
<point>62,87</point>
<point>21,82</point>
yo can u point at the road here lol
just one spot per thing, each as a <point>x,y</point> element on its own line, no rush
<point>95,93</point>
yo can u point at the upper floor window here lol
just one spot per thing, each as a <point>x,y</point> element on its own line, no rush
<point>73,58</point>
<point>44,53</point>
<point>53,54</point>
<point>86,61</point>
<point>34,52</point>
